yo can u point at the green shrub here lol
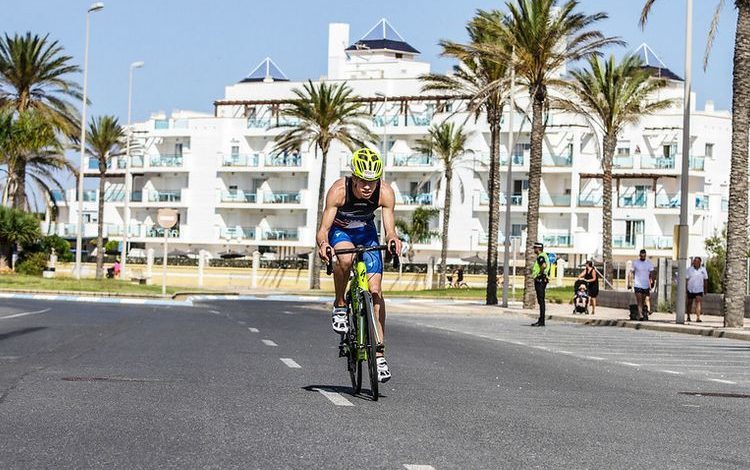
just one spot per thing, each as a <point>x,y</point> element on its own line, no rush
<point>61,246</point>
<point>32,264</point>
<point>112,247</point>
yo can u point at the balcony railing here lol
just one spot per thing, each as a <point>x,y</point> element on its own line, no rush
<point>282,198</point>
<point>136,196</point>
<point>657,163</point>
<point>420,119</point>
<point>239,196</point>
<point>283,160</point>
<point>515,199</point>
<point>697,163</point>
<point>417,199</point>
<point>136,161</point>
<point>560,240</point>
<point>632,200</point>
<point>658,242</point>
<point>94,163</point>
<point>589,200</point>
<point>241,160</point>
<point>258,123</point>
<point>664,201</point>
<point>623,241</point>
<point>166,160</point>
<point>622,161</point>
<point>58,196</point>
<point>557,160</point>
<point>281,234</point>
<point>114,196</point>
<point>165,196</point>
<point>402,160</point>
<point>554,200</point>
<point>381,121</point>
<point>89,195</point>
<point>158,232</point>
<point>239,233</point>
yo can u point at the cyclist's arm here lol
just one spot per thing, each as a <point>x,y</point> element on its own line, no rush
<point>334,199</point>
<point>388,203</point>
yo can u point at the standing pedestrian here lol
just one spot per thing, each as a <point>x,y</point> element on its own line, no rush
<point>697,285</point>
<point>540,274</point>
<point>643,278</point>
<point>591,276</point>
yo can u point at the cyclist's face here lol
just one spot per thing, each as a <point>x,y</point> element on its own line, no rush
<point>363,189</point>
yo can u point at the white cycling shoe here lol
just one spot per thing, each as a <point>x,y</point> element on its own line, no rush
<point>339,320</point>
<point>384,373</point>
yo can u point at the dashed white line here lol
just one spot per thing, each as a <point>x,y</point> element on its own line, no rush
<point>253,330</point>
<point>290,363</point>
<point>23,314</point>
<point>408,466</point>
<point>216,312</point>
<point>673,372</point>
<point>594,358</point>
<point>268,342</point>
<point>631,364</point>
<point>564,352</point>
<point>722,381</point>
<point>335,398</point>
<point>242,322</point>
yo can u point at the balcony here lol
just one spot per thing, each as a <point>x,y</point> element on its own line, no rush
<point>697,163</point>
<point>58,196</point>
<point>417,199</point>
<point>114,230</point>
<point>281,234</point>
<point>89,195</point>
<point>136,161</point>
<point>94,163</point>
<point>258,123</point>
<point>165,196</point>
<point>702,202</point>
<point>658,242</point>
<point>665,201</point>
<point>239,196</point>
<point>237,233</point>
<point>558,241</point>
<point>412,160</point>
<point>382,121</point>
<point>282,198</point>
<point>554,200</point>
<point>623,241</point>
<point>420,119</point>
<point>136,196</point>
<point>657,163</point>
<point>590,200</point>
<point>158,232</point>
<point>241,160</point>
<point>283,161</point>
<point>114,195</point>
<point>622,162</point>
<point>558,161</point>
<point>633,201</point>
<point>166,161</point>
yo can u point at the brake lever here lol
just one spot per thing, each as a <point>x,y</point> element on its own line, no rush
<point>394,254</point>
<point>329,265</point>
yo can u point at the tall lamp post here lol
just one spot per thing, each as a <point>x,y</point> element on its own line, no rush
<point>126,210</point>
<point>79,237</point>
<point>385,141</point>
<point>508,189</point>
<point>683,229</point>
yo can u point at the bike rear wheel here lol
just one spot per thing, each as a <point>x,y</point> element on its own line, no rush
<point>352,363</point>
<point>372,343</point>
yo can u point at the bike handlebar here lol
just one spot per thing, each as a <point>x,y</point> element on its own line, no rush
<point>361,249</point>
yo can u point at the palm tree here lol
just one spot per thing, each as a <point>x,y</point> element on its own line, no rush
<point>418,229</point>
<point>34,75</point>
<point>105,139</point>
<point>448,143</point>
<point>485,81</point>
<point>325,114</point>
<point>16,228</point>
<point>735,274</point>
<point>611,95</point>
<point>32,152</point>
<point>539,37</point>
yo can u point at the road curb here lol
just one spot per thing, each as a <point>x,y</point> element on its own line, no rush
<point>730,333</point>
<point>90,298</point>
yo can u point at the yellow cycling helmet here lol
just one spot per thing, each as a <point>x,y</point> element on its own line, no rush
<point>367,165</point>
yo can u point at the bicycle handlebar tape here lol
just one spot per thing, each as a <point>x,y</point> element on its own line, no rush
<point>396,261</point>
<point>329,265</point>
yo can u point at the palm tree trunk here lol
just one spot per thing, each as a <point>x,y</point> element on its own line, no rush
<point>494,209</point>
<point>17,187</point>
<point>610,142</point>
<point>100,228</point>
<point>535,179</point>
<point>735,275</point>
<point>446,222</point>
<point>316,264</point>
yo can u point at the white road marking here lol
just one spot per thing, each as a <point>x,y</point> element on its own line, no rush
<point>411,466</point>
<point>133,301</point>
<point>631,364</point>
<point>268,342</point>
<point>23,314</point>
<point>242,323</point>
<point>594,358</point>
<point>215,311</point>
<point>253,330</point>
<point>290,363</point>
<point>674,372</point>
<point>335,398</point>
<point>564,352</point>
<point>722,381</point>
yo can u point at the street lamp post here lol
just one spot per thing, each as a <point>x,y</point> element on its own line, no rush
<point>385,125</point>
<point>126,210</point>
<point>508,189</point>
<point>79,237</point>
<point>683,229</point>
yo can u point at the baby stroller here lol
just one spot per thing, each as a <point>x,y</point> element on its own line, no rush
<point>581,297</point>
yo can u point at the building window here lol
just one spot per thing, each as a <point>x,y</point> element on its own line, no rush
<point>235,150</point>
<point>178,149</point>
<point>623,151</point>
<point>517,229</point>
<point>709,150</point>
<point>399,55</point>
<point>670,150</point>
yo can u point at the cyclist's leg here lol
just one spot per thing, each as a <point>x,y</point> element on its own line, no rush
<point>340,239</point>
<point>375,281</point>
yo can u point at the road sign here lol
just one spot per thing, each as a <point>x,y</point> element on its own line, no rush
<point>167,218</point>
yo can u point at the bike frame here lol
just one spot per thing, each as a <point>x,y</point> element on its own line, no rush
<point>358,284</point>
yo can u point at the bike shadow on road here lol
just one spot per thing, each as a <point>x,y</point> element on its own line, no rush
<point>363,395</point>
<point>22,331</point>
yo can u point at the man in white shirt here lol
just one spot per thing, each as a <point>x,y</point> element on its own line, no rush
<point>697,285</point>
<point>643,277</point>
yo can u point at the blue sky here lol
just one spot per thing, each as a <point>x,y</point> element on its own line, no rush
<point>194,48</point>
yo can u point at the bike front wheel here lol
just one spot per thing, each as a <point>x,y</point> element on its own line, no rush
<point>352,362</point>
<point>371,343</point>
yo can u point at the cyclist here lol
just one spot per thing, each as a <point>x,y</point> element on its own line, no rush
<point>348,221</point>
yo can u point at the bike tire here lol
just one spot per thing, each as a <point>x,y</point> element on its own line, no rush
<point>352,364</point>
<point>372,365</point>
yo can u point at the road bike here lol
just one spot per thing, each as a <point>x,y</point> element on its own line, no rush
<point>361,343</point>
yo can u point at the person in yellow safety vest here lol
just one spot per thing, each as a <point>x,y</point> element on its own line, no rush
<point>540,273</point>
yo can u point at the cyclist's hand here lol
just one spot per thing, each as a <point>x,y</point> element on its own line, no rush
<point>323,252</point>
<point>397,242</point>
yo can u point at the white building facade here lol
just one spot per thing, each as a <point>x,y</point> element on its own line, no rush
<point>234,193</point>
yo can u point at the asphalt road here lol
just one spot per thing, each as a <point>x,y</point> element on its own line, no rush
<point>259,385</point>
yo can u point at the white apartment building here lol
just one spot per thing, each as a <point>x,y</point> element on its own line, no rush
<point>233,193</point>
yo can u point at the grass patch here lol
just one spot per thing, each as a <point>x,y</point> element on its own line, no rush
<point>554,294</point>
<point>37,283</point>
